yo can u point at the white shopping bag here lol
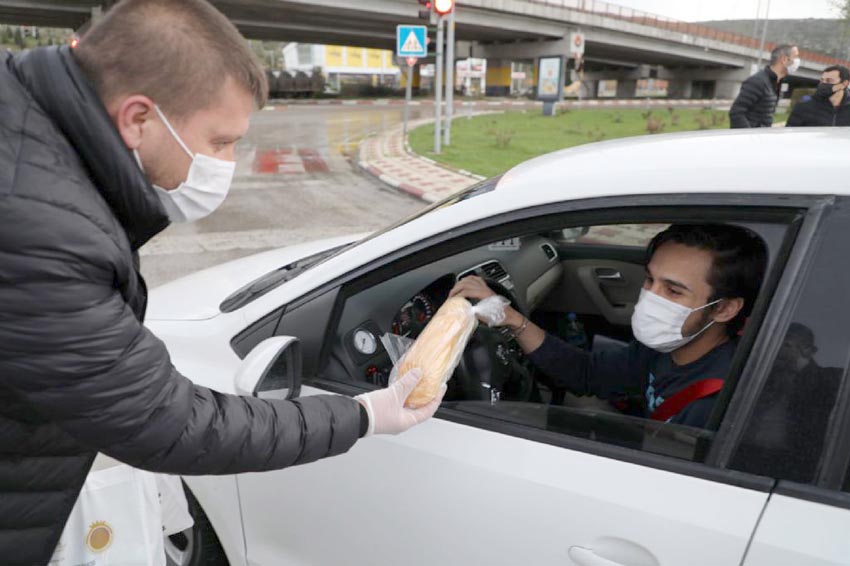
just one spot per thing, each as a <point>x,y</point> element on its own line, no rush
<point>117,520</point>
<point>174,507</point>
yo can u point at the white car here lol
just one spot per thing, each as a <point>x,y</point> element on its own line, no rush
<point>506,474</point>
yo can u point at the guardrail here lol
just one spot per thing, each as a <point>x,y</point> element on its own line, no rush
<point>653,20</point>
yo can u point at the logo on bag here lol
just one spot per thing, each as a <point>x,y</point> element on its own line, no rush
<point>99,537</point>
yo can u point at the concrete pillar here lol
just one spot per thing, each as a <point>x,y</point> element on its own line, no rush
<point>498,77</point>
<point>680,89</point>
<point>727,89</point>
<point>702,83</point>
<point>626,88</point>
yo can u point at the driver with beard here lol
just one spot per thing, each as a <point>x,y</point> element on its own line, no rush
<point>701,282</point>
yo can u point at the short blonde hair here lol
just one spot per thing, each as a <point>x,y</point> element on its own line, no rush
<point>176,52</point>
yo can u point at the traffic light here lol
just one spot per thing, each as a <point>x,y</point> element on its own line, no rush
<point>425,14</point>
<point>443,7</point>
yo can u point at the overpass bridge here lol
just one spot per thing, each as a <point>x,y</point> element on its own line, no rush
<point>621,43</point>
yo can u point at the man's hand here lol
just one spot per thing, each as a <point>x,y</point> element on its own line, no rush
<point>387,413</point>
<point>472,287</point>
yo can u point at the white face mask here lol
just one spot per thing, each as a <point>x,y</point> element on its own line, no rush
<point>204,189</point>
<point>657,322</point>
<point>795,64</point>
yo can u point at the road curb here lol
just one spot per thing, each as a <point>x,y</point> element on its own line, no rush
<point>390,181</point>
<point>408,188</point>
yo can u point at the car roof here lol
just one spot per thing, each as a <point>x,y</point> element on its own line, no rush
<point>764,160</point>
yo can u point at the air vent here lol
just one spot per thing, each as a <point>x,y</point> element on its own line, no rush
<point>494,270</point>
<point>550,252</point>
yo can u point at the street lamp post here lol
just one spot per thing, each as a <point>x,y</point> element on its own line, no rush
<point>763,34</point>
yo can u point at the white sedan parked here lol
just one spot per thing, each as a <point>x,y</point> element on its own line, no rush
<point>507,473</point>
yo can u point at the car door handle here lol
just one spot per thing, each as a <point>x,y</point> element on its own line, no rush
<point>586,557</point>
<point>609,275</point>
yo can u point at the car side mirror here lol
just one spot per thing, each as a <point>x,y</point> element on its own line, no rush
<point>573,234</point>
<point>272,370</point>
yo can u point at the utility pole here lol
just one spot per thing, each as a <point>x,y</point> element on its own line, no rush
<point>438,88</point>
<point>450,77</point>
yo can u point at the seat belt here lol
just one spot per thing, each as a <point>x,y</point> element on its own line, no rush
<point>674,404</point>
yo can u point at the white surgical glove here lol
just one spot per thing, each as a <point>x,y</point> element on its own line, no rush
<point>386,410</point>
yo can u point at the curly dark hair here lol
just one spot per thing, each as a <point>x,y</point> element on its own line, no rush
<point>740,260</point>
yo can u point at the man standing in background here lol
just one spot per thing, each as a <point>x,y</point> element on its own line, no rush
<point>759,94</point>
<point>829,106</point>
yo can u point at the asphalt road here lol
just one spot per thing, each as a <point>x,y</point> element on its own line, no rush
<point>294,183</point>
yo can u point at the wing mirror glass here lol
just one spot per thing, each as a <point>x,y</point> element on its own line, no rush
<point>573,234</point>
<point>272,370</point>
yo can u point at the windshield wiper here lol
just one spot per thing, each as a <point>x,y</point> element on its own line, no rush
<point>271,280</point>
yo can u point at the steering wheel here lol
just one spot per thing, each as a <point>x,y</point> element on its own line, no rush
<point>493,362</point>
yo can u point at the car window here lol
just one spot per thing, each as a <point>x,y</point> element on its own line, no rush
<point>495,379</point>
<point>632,235</point>
<point>785,435</point>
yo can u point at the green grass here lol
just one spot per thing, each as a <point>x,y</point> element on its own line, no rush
<point>492,144</point>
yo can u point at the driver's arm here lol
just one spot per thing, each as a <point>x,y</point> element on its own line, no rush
<point>602,374</point>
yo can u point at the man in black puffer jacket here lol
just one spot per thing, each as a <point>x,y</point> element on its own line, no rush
<point>161,86</point>
<point>829,106</point>
<point>756,103</point>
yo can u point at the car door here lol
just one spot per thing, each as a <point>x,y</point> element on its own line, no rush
<point>799,430</point>
<point>507,483</point>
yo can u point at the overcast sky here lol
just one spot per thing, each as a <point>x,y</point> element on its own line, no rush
<point>698,10</point>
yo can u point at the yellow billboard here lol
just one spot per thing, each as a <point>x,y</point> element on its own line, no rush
<point>334,56</point>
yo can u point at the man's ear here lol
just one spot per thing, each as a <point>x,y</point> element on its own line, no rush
<point>727,309</point>
<point>132,116</point>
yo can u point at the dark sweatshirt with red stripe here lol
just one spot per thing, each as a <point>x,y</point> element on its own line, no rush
<point>633,370</point>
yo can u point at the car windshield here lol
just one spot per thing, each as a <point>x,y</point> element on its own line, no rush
<point>475,190</point>
<point>273,279</point>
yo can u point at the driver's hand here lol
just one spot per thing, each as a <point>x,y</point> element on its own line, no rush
<point>387,413</point>
<point>472,287</point>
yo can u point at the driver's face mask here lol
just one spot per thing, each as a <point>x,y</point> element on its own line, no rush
<point>204,189</point>
<point>657,322</point>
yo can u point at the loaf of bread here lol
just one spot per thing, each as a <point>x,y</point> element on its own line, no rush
<point>438,349</point>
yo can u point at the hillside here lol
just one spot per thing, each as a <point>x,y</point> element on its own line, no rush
<point>831,37</point>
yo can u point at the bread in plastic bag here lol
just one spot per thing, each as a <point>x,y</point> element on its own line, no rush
<point>438,349</point>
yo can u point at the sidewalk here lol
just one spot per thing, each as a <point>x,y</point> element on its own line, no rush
<point>387,157</point>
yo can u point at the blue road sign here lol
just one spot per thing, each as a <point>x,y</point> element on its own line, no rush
<point>411,41</point>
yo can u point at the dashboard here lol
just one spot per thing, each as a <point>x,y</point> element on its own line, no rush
<point>526,269</point>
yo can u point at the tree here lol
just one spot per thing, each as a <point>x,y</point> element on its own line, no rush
<point>19,38</point>
<point>843,8</point>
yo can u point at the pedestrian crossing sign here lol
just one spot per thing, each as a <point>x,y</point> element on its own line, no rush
<point>411,41</point>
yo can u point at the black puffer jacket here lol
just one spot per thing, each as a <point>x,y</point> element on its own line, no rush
<point>78,371</point>
<point>756,103</point>
<point>816,111</point>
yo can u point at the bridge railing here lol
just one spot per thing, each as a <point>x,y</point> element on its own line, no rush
<point>653,20</point>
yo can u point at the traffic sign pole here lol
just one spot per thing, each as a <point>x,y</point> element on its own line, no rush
<point>450,77</point>
<point>438,88</point>
<point>408,92</point>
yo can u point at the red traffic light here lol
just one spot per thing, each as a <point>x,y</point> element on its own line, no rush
<point>426,13</point>
<point>444,7</point>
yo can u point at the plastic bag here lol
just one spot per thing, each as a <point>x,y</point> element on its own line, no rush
<point>439,348</point>
<point>115,521</point>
